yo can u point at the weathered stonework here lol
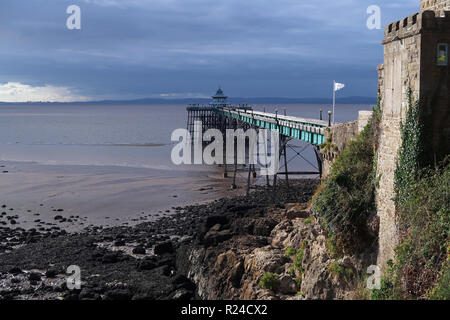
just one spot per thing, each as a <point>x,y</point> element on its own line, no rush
<point>410,60</point>
<point>363,119</point>
<point>439,6</point>
<point>341,134</point>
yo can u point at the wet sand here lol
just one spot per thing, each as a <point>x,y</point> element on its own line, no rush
<point>101,195</point>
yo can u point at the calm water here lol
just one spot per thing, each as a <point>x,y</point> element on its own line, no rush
<point>105,135</point>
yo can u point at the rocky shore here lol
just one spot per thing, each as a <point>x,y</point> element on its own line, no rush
<point>219,250</point>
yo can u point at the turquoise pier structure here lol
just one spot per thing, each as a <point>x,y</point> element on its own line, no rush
<point>308,130</point>
<point>219,114</point>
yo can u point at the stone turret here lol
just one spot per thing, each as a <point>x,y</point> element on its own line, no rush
<point>438,6</point>
<point>415,55</point>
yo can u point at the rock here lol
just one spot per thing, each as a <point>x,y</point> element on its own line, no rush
<point>182,295</point>
<point>34,276</point>
<point>236,274</point>
<point>216,237</point>
<point>190,286</point>
<point>287,285</point>
<point>162,248</point>
<point>139,250</point>
<point>266,261</point>
<point>216,227</point>
<point>147,264</point>
<point>263,227</point>
<point>111,257</point>
<point>51,273</point>
<point>15,270</point>
<point>213,220</point>
<point>118,294</point>
<point>165,270</point>
<point>179,279</point>
<point>87,294</point>
<point>294,213</point>
<point>120,243</point>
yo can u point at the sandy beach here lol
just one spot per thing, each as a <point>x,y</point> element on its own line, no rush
<point>34,194</point>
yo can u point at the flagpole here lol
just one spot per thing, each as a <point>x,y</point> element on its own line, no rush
<point>334,97</point>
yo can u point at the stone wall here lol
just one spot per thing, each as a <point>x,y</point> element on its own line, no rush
<point>341,134</point>
<point>435,85</point>
<point>410,59</point>
<point>363,119</point>
<point>438,6</point>
<point>400,70</point>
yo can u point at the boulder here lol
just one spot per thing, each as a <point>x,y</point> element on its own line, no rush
<point>287,285</point>
<point>139,250</point>
<point>162,248</point>
<point>216,237</point>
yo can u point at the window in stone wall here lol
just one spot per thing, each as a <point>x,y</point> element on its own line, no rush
<point>442,54</point>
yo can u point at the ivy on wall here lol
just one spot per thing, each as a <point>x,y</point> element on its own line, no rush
<point>410,151</point>
<point>422,262</point>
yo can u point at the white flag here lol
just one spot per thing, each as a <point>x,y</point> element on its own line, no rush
<point>338,86</point>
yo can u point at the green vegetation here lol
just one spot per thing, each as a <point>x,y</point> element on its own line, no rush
<point>422,264</point>
<point>331,246</point>
<point>390,290</point>
<point>269,281</point>
<point>328,147</point>
<point>410,151</point>
<point>289,252</point>
<point>340,271</point>
<point>292,271</point>
<point>346,198</point>
<point>298,260</point>
<point>308,220</point>
<point>298,281</point>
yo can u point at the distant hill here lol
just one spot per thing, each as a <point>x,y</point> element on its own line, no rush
<point>267,100</point>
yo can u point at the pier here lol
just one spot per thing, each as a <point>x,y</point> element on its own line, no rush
<point>219,114</point>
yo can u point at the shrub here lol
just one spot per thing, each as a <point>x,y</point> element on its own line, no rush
<point>423,254</point>
<point>331,246</point>
<point>298,260</point>
<point>269,281</point>
<point>289,252</point>
<point>292,271</point>
<point>340,271</point>
<point>308,220</point>
<point>422,262</point>
<point>298,281</point>
<point>346,199</point>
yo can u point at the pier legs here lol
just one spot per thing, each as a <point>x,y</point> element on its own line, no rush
<point>284,141</point>
<point>319,160</point>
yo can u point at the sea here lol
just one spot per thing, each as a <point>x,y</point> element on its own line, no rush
<point>113,162</point>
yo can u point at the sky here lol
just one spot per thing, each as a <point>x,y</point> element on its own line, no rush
<point>130,49</point>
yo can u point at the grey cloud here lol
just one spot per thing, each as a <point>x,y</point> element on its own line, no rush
<point>145,47</point>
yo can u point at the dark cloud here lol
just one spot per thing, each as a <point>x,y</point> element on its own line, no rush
<point>139,48</point>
